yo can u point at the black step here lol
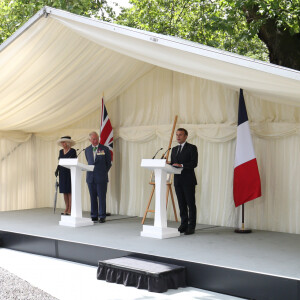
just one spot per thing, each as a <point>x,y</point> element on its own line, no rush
<point>143,274</point>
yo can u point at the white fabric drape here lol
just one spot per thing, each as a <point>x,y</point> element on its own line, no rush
<point>17,179</point>
<point>274,82</point>
<point>54,73</point>
<point>52,77</point>
<point>142,118</point>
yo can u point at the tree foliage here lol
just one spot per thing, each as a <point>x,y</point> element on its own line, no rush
<point>262,29</point>
<point>13,14</point>
<point>277,24</point>
<point>211,23</point>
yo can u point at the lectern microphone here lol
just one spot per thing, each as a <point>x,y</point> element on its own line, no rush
<point>165,153</point>
<point>156,153</point>
<point>80,151</point>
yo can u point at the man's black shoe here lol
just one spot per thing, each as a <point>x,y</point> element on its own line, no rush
<point>182,228</point>
<point>189,231</point>
<point>95,219</point>
<point>102,220</point>
<point>108,214</point>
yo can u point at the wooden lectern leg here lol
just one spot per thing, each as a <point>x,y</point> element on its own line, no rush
<point>174,208</point>
<point>169,190</point>
<point>149,202</point>
<point>167,195</point>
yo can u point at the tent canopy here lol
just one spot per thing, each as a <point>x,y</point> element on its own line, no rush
<point>54,71</point>
<point>56,67</point>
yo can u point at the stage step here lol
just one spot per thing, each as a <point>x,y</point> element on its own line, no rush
<point>142,274</point>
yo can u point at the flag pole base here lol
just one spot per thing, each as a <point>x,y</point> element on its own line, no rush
<point>238,230</point>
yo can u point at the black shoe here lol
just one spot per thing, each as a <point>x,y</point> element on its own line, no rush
<point>182,228</point>
<point>189,231</point>
<point>108,214</point>
<point>65,214</point>
<point>95,219</point>
<point>102,220</point>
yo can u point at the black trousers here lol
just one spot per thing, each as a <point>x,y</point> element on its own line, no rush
<point>187,205</point>
<point>98,192</point>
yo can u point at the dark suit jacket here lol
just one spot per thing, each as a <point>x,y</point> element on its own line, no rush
<point>189,158</point>
<point>102,164</point>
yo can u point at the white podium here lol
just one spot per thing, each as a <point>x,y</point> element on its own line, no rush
<point>76,219</point>
<point>160,229</point>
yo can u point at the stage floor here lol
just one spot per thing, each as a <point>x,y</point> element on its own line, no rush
<point>263,252</point>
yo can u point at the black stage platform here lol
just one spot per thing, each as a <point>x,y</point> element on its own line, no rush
<point>260,265</point>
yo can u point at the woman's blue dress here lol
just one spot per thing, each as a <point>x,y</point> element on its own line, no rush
<point>64,173</point>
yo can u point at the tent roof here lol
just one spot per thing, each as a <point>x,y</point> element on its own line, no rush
<point>55,68</point>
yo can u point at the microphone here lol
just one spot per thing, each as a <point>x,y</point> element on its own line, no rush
<point>80,151</point>
<point>165,153</point>
<point>156,153</point>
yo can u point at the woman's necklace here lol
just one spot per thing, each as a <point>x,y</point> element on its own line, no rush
<point>65,152</point>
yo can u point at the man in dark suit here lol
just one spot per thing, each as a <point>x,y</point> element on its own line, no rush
<point>185,156</point>
<point>99,156</point>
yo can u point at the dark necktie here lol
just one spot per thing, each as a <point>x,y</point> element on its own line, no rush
<point>179,149</point>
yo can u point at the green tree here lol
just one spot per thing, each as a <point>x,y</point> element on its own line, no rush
<point>262,29</point>
<point>277,24</point>
<point>210,23</point>
<point>13,14</point>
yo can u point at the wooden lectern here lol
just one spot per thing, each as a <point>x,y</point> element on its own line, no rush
<point>160,229</point>
<point>76,219</point>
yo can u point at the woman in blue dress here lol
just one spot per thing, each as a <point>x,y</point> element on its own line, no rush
<point>64,173</point>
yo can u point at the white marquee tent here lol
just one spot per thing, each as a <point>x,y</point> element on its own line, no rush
<point>54,71</point>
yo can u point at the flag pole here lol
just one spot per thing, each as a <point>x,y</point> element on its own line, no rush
<point>243,230</point>
<point>101,111</point>
<point>108,214</point>
<point>245,187</point>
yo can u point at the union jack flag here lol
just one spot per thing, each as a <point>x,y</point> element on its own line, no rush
<point>106,131</point>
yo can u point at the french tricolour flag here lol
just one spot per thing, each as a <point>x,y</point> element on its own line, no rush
<point>246,181</point>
